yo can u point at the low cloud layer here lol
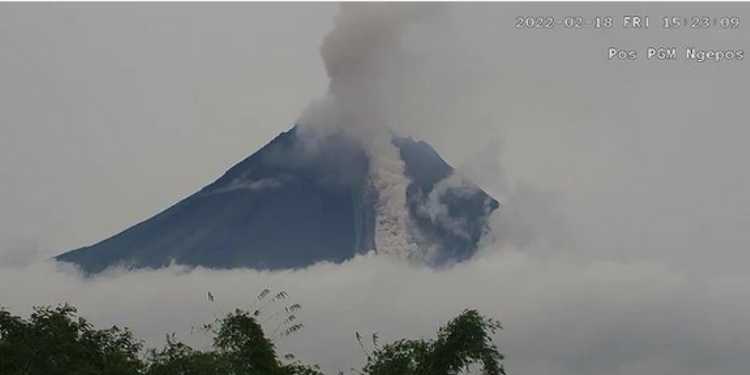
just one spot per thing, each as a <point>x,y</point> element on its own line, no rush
<point>560,316</point>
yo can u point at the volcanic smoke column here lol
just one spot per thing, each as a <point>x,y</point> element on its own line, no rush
<point>360,54</point>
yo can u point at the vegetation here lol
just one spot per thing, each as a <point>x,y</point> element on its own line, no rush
<point>53,341</point>
<point>464,341</point>
<point>56,341</point>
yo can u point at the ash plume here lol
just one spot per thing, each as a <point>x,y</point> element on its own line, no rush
<point>364,59</point>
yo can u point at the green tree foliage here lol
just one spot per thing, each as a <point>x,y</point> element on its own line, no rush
<point>55,341</point>
<point>464,341</point>
<point>177,358</point>
<point>240,348</point>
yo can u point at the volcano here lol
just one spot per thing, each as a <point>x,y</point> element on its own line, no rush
<point>294,203</point>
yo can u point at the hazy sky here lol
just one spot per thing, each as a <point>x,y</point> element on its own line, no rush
<point>622,246</point>
<point>110,113</point>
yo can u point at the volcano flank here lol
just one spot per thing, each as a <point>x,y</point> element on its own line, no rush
<point>294,203</point>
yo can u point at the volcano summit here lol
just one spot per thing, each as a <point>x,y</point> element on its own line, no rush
<point>295,202</point>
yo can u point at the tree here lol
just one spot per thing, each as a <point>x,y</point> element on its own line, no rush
<point>55,341</point>
<point>465,340</point>
<point>240,348</point>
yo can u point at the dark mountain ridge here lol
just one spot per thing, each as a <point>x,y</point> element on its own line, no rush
<point>290,205</point>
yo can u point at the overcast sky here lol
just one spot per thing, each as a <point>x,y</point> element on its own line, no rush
<point>111,113</point>
<point>625,183</point>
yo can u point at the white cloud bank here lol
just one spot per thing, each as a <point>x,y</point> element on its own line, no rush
<point>560,316</point>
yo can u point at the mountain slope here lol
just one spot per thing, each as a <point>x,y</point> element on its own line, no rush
<point>289,205</point>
